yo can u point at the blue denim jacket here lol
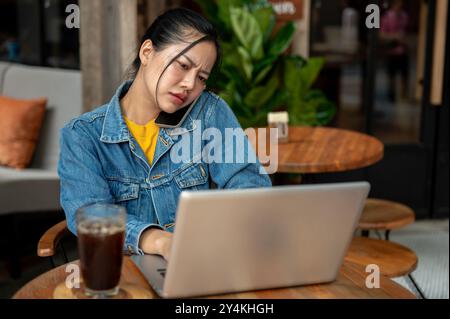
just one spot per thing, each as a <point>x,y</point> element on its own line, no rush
<point>101,162</point>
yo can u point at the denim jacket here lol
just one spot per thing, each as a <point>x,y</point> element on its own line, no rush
<point>101,162</point>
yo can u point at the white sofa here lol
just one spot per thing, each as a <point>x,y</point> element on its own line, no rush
<point>36,189</point>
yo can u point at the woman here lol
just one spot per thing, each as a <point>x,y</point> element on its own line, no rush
<point>118,154</point>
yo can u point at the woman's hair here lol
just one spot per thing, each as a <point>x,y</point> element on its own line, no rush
<point>177,26</point>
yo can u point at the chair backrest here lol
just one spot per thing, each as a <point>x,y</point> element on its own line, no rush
<point>63,90</point>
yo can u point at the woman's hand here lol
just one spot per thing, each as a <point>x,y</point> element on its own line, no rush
<point>156,241</point>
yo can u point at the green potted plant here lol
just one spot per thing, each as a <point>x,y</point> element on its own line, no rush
<point>256,77</point>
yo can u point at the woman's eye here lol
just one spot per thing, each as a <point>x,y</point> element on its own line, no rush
<point>202,79</point>
<point>183,66</point>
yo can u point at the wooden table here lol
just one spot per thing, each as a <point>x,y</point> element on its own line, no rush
<point>325,149</point>
<point>349,284</point>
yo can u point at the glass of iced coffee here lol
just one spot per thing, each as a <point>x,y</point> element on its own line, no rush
<point>101,233</point>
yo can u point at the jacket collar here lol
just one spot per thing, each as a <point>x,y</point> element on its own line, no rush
<point>115,129</point>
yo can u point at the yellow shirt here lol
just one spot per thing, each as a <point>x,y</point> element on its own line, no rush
<point>146,136</point>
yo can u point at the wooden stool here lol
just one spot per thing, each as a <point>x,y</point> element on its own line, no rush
<point>380,214</point>
<point>394,260</point>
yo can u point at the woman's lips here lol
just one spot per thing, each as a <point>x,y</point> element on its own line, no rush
<point>178,100</point>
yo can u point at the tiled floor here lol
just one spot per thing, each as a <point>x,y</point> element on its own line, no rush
<point>429,239</point>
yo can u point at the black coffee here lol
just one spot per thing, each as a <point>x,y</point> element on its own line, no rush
<point>100,246</point>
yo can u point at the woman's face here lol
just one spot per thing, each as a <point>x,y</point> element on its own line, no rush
<point>184,80</point>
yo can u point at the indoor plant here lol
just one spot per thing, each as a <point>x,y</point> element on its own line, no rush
<point>256,76</point>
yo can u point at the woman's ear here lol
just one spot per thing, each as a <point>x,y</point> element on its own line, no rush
<point>146,52</point>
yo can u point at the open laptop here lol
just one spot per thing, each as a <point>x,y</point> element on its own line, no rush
<point>248,239</point>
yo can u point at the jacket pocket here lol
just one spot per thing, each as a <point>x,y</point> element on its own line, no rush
<point>192,176</point>
<point>123,191</point>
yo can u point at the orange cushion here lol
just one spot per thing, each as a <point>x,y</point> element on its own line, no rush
<point>20,124</point>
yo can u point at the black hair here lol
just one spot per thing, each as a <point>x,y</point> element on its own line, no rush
<point>176,26</point>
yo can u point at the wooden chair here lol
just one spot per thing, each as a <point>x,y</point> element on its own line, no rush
<point>380,214</point>
<point>49,242</point>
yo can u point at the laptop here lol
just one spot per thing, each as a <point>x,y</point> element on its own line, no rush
<point>228,241</point>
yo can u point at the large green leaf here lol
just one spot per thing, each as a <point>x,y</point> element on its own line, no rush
<point>248,32</point>
<point>263,73</point>
<point>234,100</point>
<point>246,62</point>
<point>311,70</point>
<point>300,61</point>
<point>266,20</point>
<point>230,55</point>
<point>268,60</point>
<point>211,11</point>
<point>233,74</point>
<point>228,93</point>
<point>260,95</point>
<point>292,76</point>
<point>263,68</point>
<point>276,101</point>
<point>314,109</point>
<point>282,39</point>
<point>324,109</point>
<point>224,6</point>
<point>233,58</point>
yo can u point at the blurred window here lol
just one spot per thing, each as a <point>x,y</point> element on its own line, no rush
<point>34,32</point>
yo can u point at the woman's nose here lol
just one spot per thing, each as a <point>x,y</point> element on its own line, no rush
<point>188,82</point>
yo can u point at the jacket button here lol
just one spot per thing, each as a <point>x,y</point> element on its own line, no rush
<point>158,176</point>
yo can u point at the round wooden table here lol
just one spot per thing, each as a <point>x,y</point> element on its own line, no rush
<point>349,284</point>
<point>324,149</point>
